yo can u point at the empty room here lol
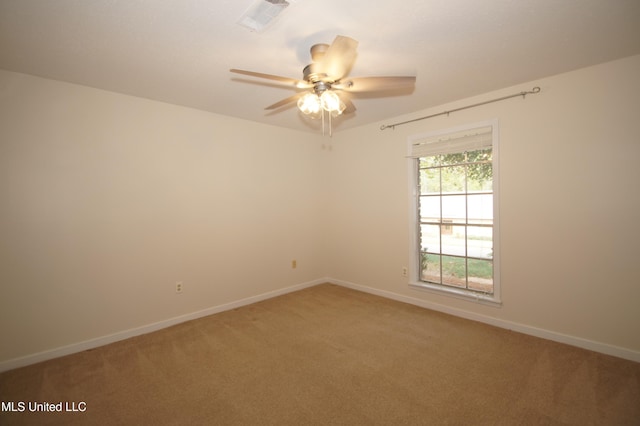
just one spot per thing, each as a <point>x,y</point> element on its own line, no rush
<point>319,212</point>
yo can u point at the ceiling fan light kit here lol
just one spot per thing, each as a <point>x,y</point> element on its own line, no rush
<point>331,102</point>
<point>326,76</point>
<point>309,103</point>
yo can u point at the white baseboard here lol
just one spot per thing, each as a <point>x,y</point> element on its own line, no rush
<point>509,325</point>
<point>111,338</point>
<point>522,328</point>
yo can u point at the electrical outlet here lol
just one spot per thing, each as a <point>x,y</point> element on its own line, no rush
<point>294,264</point>
<point>179,287</point>
<point>405,272</point>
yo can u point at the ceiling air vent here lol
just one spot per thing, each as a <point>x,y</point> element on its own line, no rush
<point>261,13</point>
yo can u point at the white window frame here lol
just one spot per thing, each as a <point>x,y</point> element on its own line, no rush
<point>414,221</point>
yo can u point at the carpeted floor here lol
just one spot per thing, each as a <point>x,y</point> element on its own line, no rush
<point>328,355</point>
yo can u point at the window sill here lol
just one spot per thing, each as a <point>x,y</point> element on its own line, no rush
<point>482,298</point>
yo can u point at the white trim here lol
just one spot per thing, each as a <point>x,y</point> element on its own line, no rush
<point>579,342</point>
<point>126,334</point>
<point>459,293</point>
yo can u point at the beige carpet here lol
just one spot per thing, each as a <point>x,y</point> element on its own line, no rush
<point>330,356</point>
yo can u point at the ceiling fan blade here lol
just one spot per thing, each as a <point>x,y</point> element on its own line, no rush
<point>374,84</point>
<point>290,81</point>
<point>339,58</point>
<point>285,101</point>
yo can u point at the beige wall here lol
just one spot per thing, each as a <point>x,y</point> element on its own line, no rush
<point>108,200</point>
<point>569,204</point>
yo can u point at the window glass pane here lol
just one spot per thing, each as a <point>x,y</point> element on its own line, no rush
<point>481,275</point>
<point>430,209</point>
<point>430,267</point>
<point>429,181</point>
<point>480,155</point>
<point>454,208</point>
<point>430,238</point>
<point>477,179</point>
<point>449,159</point>
<point>454,271</point>
<point>480,209</point>
<point>480,171</point>
<point>453,240</point>
<point>431,161</point>
<point>453,179</point>
<point>480,242</point>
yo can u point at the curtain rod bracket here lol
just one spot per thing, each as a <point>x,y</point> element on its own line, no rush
<point>533,91</point>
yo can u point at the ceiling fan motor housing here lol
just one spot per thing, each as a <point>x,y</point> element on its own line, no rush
<point>319,80</point>
<point>310,72</point>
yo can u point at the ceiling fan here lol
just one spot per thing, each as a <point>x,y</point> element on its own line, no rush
<point>325,77</point>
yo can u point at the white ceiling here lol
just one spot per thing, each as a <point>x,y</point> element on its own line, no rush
<point>180,51</point>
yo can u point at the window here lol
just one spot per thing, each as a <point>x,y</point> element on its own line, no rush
<point>454,219</point>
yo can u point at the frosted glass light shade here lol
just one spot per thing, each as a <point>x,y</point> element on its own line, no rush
<point>309,103</point>
<point>331,102</point>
